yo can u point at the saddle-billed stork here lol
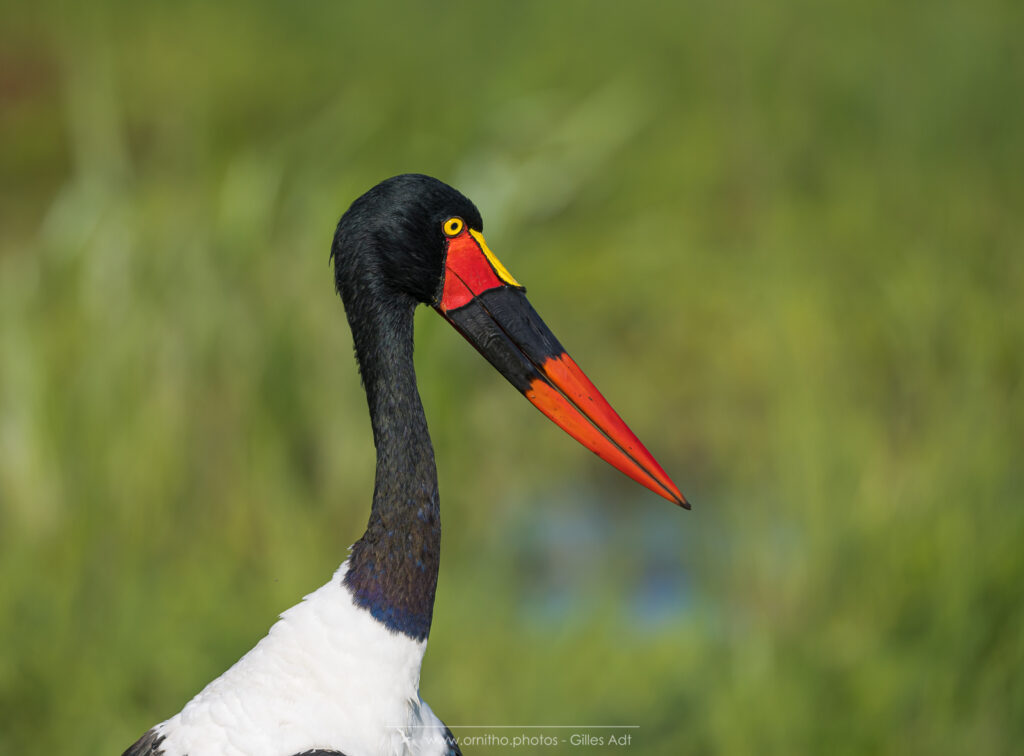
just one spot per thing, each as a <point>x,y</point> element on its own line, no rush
<point>339,672</point>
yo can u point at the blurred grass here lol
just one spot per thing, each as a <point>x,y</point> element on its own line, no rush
<point>785,240</point>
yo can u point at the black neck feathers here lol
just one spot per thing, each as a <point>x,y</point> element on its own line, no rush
<point>388,255</point>
<point>393,567</point>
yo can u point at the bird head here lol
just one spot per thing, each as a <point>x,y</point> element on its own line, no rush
<point>413,239</point>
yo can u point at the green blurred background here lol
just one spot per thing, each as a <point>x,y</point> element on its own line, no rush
<point>784,239</point>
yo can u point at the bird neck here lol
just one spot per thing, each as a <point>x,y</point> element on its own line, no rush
<point>393,567</point>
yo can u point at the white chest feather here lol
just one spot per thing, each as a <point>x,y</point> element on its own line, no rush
<point>327,676</point>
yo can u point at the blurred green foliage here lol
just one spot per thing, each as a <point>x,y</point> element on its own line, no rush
<point>785,239</point>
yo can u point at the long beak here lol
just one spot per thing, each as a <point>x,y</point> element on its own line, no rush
<point>489,307</point>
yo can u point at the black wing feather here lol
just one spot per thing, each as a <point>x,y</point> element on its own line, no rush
<point>147,745</point>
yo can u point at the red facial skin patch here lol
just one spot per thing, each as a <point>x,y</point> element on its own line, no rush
<point>468,272</point>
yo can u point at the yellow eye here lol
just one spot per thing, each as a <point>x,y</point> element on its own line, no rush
<point>453,226</point>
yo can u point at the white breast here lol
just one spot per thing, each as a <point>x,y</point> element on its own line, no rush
<point>327,676</point>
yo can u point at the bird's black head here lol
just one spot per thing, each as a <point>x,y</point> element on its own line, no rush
<point>413,239</point>
<point>391,241</point>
